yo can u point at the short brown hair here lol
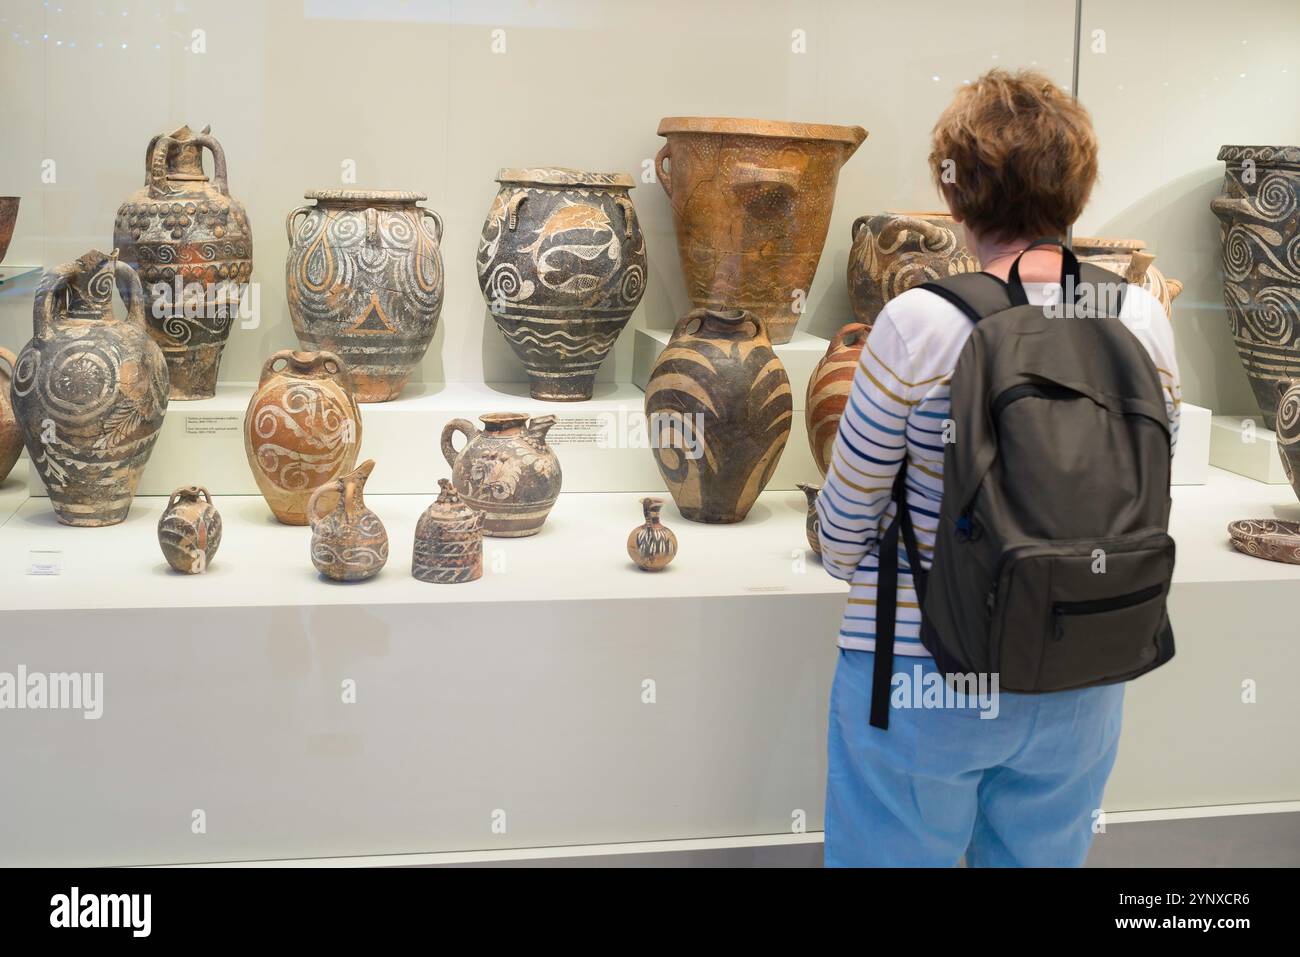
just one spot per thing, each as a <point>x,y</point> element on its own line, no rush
<point>1022,152</point>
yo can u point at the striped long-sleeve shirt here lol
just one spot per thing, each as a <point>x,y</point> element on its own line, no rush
<point>896,413</point>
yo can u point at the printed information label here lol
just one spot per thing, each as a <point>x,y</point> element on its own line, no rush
<point>577,430</point>
<point>213,424</point>
<point>44,562</point>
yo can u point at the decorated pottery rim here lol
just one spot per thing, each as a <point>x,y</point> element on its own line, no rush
<point>1269,155</point>
<point>1281,532</point>
<point>365,195</point>
<point>504,419</point>
<point>852,135</point>
<point>1119,245</point>
<point>561,176</point>
<point>915,214</point>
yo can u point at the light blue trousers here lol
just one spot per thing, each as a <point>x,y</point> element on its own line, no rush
<point>1020,790</point>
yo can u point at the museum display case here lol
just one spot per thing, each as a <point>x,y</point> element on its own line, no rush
<point>502,397</point>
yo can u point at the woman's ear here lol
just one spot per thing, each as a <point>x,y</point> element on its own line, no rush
<point>946,190</point>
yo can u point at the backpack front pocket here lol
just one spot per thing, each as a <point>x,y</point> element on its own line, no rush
<point>1073,614</point>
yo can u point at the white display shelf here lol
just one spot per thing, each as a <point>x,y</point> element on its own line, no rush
<point>1191,465</point>
<point>580,554</point>
<point>601,443</point>
<point>1241,444</point>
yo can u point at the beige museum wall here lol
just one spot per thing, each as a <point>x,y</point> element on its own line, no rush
<point>1174,81</point>
<point>411,90</point>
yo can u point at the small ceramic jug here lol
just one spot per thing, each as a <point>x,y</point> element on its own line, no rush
<point>812,526</point>
<point>448,541</point>
<point>505,470</point>
<point>348,541</point>
<point>190,530</point>
<point>652,545</point>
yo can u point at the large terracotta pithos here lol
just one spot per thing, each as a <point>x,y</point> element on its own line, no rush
<point>11,435</point>
<point>364,280</point>
<point>1259,227</point>
<point>562,265</point>
<point>828,390</point>
<point>892,252</point>
<point>1129,258</point>
<point>90,390</point>
<point>191,244</point>
<point>8,217</point>
<point>189,531</point>
<point>348,541</point>
<point>752,204</point>
<point>448,541</point>
<point>302,429</point>
<point>506,470</point>
<point>719,408</point>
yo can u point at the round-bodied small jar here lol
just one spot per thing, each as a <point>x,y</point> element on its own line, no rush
<point>652,545</point>
<point>506,470</point>
<point>448,541</point>
<point>348,541</point>
<point>189,531</point>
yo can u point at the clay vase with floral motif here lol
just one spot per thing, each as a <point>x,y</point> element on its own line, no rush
<point>190,241</point>
<point>90,390</point>
<point>364,280</point>
<point>562,265</point>
<point>506,471</point>
<point>302,429</point>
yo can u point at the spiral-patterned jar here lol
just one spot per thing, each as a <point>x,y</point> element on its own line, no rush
<point>190,241</point>
<point>348,541</point>
<point>719,407</point>
<point>562,265</point>
<point>1287,426</point>
<point>302,429</point>
<point>189,531</point>
<point>1259,227</point>
<point>892,252</point>
<point>364,280</point>
<point>828,390</point>
<point>89,390</point>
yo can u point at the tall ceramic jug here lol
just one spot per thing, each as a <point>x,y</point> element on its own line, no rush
<point>752,203</point>
<point>190,241</point>
<point>364,278</point>
<point>562,265</point>
<point>348,541</point>
<point>90,390</point>
<point>506,470</point>
<point>302,429</point>
<point>1259,225</point>
<point>719,409</point>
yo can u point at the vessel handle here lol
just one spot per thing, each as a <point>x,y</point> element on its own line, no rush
<point>133,292</point>
<point>1229,207</point>
<point>661,174</point>
<point>372,226</point>
<point>333,485</point>
<point>268,367</point>
<point>288,223</point>
<point>759,324</point>
<point>195,492</point>
<point>53,282</point>
<point>10,358</point>
<point>512,209</point>
<point>679,329</point>
<point>845,332</point>
<point>219,180</point>
<point>857,227</point>
<point>437,220</point>
<point>466,428</point>
<point>160,148</point>
<point>765,180</point>
<point>629,214</point>
<point>1175,286</point>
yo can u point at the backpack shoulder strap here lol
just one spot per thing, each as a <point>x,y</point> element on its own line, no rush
<point>977,294</point>
<point>1099,278</point>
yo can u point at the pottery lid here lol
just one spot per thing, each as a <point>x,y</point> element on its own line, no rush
<point>365,195</point>
<point>562,176</point>
<point>852,135</point>
<point>1268,155</point>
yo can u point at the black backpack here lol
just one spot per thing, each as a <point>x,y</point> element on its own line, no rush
<point>1052,560</point>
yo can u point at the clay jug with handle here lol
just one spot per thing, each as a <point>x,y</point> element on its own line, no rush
<point>506,470</point>
<point>348,541</point>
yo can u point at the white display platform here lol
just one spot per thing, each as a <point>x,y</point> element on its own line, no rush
<point>567,697</point>
<point>799,356</point>
<point>1241,444</point>
<point>1191,464</point>
<point>601,443</point>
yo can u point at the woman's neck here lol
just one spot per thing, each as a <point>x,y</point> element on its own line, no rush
<point>996,255</point>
